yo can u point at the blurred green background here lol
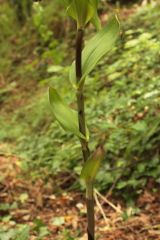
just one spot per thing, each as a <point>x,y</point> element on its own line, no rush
<point>122,94</point>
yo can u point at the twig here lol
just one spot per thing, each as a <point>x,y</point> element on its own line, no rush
<point>108,202</point>
<point>157,226</point>
<point>100,207</point>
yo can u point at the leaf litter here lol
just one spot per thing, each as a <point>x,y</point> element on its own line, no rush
<point>62,216</point>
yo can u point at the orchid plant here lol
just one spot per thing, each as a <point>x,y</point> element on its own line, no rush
<point>86,59</point>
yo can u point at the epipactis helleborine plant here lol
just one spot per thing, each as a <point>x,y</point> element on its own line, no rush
<point>86,59</point>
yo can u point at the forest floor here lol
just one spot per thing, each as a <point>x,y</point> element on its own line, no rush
<point>61,215</point>
<point>64,214</point>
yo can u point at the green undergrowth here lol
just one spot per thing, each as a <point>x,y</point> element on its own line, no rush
<point>26,51</point>
<point>123,106</point>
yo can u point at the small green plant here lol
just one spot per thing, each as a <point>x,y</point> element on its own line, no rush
<point>86,59</point>
<point>44,33</point>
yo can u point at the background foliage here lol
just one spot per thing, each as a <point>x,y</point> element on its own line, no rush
<point>122,97</point>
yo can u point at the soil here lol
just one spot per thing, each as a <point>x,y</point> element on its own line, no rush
<point>66,213</point>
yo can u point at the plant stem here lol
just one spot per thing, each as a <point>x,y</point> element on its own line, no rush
<point>90,212</point>
<point>80,95</point>
<point>82,129</point>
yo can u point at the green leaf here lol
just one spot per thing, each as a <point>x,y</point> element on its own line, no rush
<point>66,116</point>
<point>95,19</point>
<point>23,233</point>
<point>81,11</point>
<point>96,22</point>
<point>141,167</point>
<point>58,221</point>
<point>99,45</point>
<point>122,184</point>
<point>43,232</point>
<point>92,165</point>
<point>55,69</point>
<point>8,235</point>
<point>96,48</point>
<point>140,126</point>
<point>5,206</point>
<point>23,197</point>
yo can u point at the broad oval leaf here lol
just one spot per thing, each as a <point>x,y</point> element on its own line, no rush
<point>66,116</point>
<point>96,48</point>
<point>92,165</point>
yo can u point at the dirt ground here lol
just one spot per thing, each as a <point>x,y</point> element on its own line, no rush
<point>67,212</point>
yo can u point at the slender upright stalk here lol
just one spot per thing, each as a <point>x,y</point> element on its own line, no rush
<point>82,128</point>
<point>80,94</point>
<point>90,211</point>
